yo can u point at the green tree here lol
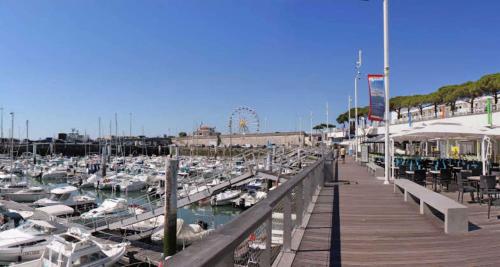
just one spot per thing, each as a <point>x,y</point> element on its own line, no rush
<point>490,85</point>
<point>395,104</point>
<point>469,91</point>
<point>182,134</point>
<point>450,94</point>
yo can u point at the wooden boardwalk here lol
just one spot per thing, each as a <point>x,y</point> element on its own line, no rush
<point>365,224</point>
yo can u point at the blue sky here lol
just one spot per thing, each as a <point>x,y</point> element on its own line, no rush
<point>175,64</point>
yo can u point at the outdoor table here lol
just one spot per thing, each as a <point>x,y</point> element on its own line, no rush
<point>478,178</point>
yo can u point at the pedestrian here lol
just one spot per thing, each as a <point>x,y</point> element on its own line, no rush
<point>342,154</point>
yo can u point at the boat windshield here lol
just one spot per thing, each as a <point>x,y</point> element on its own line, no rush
<point>34,229</point>
<point>59,197</point>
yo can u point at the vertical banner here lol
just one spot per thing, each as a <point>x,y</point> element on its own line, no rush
<point>490,114</point>
<point>377,97</point>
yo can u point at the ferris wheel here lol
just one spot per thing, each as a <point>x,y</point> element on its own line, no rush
<point>244,120</point>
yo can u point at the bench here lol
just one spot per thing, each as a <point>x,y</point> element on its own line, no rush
<point>455,214</point>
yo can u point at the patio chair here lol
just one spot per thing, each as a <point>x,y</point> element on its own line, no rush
<point>444,178</point>
<point>487,186</point>
<point>420,177</point>
<point>464,186</point>
<point>402,171</point>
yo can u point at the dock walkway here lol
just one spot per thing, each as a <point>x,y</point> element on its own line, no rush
<point>364,223</point>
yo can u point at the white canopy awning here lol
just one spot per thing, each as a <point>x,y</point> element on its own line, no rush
<point>445,130</point>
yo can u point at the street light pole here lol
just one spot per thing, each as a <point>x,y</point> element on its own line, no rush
<point>349,120</point>
<point>358,73</point>
<point>386,84</point>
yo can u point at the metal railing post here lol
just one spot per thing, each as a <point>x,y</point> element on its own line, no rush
<point>299,194</point>
<point>267,254</point>
<point>287,223</point>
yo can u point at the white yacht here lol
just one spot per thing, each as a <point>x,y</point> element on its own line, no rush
<point>186,233</point>
<point>69,196</point>
<point>78,248</point>
<point>29,194</point>
<point>146,225</point>
<point>111,207</point>
<point>224,198</point>
<point>54,173</point>
<point>27,241</point>
<point>131,185</point>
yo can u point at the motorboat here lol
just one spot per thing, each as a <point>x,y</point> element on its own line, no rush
<point>111,207</point>
<point>78,248</point>
<point>90,181</point>
<point>69,196</point>
<point>186,233</point>
<point>255,184</point>
<point>55,173</point>
<point>57,210</point>
<point>29,194</point>
<point>224,198</point>
<point>13,187</point>
<point>248,199</point>
<point>26,214</point>
<point>131,185</point>
<point>27,241</point>
<point>108,183</point>
<point>145,225</point>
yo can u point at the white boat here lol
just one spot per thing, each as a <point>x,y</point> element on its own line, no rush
<point>146,225</point>
<point>90,181</point>
<point>69,196</point>
<point>29,194</point>
<point>224,198</point>
<point>78,248</point>
<point>108,183</point>
<point>249,199</point>
<point>111,207</point>
<point>26,214</point>
<point>13,187</point>
<point>57,210</point>
<point>54,173</point>
<point>131,185</point>
<point>27,241</point>
<point>186,233</point>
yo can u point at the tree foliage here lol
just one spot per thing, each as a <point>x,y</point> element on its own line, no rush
<point>446,95</point>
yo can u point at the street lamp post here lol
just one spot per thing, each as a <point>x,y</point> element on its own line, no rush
<point>349,121</point>
<point>358,73</point>
<point>386,84</point>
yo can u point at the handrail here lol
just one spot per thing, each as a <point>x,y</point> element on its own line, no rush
<point>223,241</point>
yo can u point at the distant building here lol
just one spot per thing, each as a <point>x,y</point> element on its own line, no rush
<point>73,137</point>
<point>205,130</point>
<point>252,139</point>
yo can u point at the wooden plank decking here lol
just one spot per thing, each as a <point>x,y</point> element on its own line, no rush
<point>365,224</point>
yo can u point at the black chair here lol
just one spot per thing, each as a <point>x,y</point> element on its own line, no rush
<point>487,186</point>
<point>444,178</point>
<point>420,177</point>
<point>464,186</point>
<point>402,171</point>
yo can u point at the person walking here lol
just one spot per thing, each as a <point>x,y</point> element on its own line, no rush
<point>342,154</point>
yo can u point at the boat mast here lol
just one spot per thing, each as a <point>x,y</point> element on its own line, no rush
<point>11,145</point>
<point>27,136</point>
